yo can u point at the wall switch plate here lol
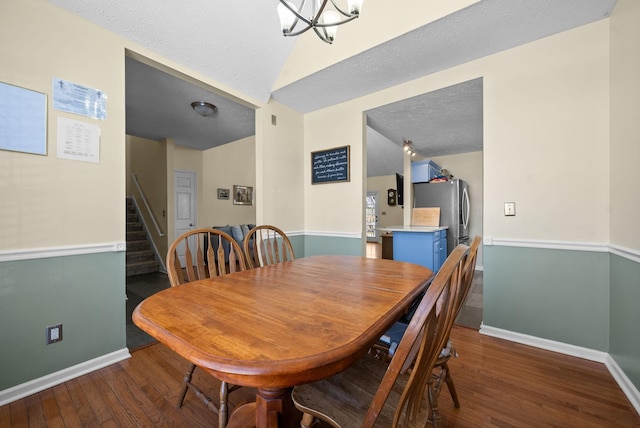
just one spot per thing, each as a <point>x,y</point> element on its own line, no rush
<point>54,333</point>
<point>509,208</point>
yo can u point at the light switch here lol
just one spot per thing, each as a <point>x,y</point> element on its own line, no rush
<point>509,208</point>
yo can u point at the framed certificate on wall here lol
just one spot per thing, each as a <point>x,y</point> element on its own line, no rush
<point>23,120</point>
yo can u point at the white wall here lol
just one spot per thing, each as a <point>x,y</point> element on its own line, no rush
<point>390,215</point>
<point>225,166</point>
<point>545,138</point>
<point>280,168</point>
<point>49,201</point>
<point>625,132</point>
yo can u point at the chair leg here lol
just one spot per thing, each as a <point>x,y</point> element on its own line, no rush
<point>185,384</point>
<point>434,412</point>
<point>450,385</point>
<point>223,412</point>
<point>307,420</point>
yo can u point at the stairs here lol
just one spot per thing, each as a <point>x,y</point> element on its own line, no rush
<point>140,257</point>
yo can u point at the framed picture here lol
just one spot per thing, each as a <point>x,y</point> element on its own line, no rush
<point>223,193</point>
<point>330,166</point>
<point>242,195</point>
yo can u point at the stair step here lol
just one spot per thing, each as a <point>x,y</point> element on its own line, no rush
<point>134,226</point>
<point>140,256</point>
<point>138,245</point>
<point>142,267</point>
<point>132,217</point>
<point>136,235</point>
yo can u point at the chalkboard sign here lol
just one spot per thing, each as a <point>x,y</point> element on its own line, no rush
<point>330,166</point>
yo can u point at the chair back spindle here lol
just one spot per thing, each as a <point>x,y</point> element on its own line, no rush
<point>203,253</point>
<point>267,245</point>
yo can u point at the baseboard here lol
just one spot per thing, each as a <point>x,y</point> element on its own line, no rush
<point>628,388</point>
<point>626,385</point>
<point>28,388</point>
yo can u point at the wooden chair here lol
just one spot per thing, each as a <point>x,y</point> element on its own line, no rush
<point>442,372</point>
<point>199,254</point>
<point>266,245</point>
<point>371,391</point>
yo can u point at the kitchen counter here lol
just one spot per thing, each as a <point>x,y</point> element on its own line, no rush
<point>401,228</point>
<point>423,245</point>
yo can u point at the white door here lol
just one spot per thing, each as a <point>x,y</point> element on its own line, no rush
<point>371,217</point>
<point>186,205</point>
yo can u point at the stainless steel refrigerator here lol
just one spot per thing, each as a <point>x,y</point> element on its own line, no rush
<point>453,199</point>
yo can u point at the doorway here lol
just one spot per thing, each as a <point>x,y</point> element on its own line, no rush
<point>372,217</point>
<point>186,204</point>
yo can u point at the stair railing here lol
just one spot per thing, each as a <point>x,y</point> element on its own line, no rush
<point>163,268</point>
<point>146,204</point>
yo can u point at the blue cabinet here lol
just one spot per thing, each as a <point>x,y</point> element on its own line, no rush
<point>428,249</point>
<point>424,171</point>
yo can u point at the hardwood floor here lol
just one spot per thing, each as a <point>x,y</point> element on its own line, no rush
<point>500,384</point>
<point>374,250</point>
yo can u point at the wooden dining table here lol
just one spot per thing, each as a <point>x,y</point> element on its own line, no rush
<point>282,325</point>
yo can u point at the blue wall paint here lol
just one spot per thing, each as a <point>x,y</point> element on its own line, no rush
<point>85,293</point>
<point>297,242</point>
<point>624,345</point>
<point>558,295</point>
<point>315,245</point>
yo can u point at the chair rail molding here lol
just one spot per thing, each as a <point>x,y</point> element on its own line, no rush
<point>71,250</point>
<point>599,247</point>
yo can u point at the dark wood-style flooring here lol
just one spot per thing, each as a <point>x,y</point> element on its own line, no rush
<point>500,384</point>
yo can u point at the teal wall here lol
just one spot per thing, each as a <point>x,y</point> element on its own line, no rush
<point>560,295</point>
<point>315,245</point>
<point>624,342</point>
<point>297,242</point>
<point>86,293</point>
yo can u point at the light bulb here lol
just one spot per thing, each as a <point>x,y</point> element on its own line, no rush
<point>287,18</point>
<point>330,17</point>
<point>355,6</point>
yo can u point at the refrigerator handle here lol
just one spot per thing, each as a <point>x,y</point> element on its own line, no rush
<point>465,215</point>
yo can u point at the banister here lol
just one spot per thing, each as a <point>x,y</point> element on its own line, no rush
<point>146,204</point>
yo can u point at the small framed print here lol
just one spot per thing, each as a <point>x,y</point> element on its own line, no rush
<point>242,195</point>
<point>223,193</point>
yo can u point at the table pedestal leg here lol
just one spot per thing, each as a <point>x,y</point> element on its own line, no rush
<point>274,408</point>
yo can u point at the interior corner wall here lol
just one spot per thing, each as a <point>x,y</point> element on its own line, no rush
<point>625,197</point>
<point>279,171</point>
<point>62,220</point>
<point>334,212</point>
<point>223,167</point>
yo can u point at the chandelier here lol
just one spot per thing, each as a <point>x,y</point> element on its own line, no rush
<point>323,19</point>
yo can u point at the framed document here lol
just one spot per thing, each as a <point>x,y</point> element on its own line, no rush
<point>23,120</point>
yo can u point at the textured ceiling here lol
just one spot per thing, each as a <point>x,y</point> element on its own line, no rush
<point>443,122</point>
<point>240,45</point>
<point>159,106</point>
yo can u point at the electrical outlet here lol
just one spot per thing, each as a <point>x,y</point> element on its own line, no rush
<point>54,333</point>
<point>509,208</point>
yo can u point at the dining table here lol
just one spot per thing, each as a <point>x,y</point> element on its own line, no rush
<point>282,325</point>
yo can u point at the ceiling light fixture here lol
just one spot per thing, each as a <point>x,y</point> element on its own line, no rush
<point>408,147</point>
<point>324,22</point>
<point>204,108</point>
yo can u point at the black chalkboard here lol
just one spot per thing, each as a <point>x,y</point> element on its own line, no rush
<point>330,166</point>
